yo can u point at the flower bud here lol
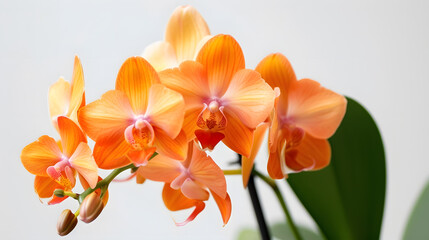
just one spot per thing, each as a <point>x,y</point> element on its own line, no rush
<point>66,222</point>
<point>59,193</point>
<point>91,207</point>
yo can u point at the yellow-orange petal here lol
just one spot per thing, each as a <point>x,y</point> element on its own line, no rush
<point>45,186</point>
<point>190,122</point>
<point>135,78</point>
<point>238,137</point>
<point>71,135</point>
<point>204,170</point>
<point>224,205</point>
<point>160,168</point>
<point>110,152</point>
<point>41,154</point>
<point>247,163</point>
<point>277,72</point>
<point>310,154</point>
<point>59,99</point>
<point>190,80</point>
<point>222,57</point>
<point>174,200</point>
<point>185,29</point>
<point>107,116</point>
<point>77,89</point>
<point>160,55</point>
<point>315,109</point>
<point>194,191</point>
<point>174,148</point>
<point>274,166</point>
<point>249,97</point>
<point>166,109</point>
<point>84,163</point>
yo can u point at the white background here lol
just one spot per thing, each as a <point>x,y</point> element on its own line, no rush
<point>374,51</point>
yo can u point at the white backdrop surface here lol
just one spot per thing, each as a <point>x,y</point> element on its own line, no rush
<point>374,51</point>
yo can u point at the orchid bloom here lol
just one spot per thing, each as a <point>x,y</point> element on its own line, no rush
<point>66,98</point>
<point>55,163</point>
<point>305,116</point>
<point>186,33</point>
<point>224,101</point>
<point>138,118</point>
<point>187,182</point>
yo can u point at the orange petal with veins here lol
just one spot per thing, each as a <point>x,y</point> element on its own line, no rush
<point>194,191</point>
<point>45,187</point>
<point>161,55</point>
<point>185,29</point>
<point>174,148</point>
<point>107,116</point>
<point>77,89</point>
<point>59,99</point>
<point>110,152</point>
<point>247,163</point>
<point>238,137</point>
<point>84,163</point>
<point>71,135</point>
<point>166,109</point>
<point>249,97</point>
<point>278,72</point>
<point>310,154</point>
<point>222,57</point>
<point>41,154</point>
<point>204,170</point>
<point>161,168</point>
<point>224,205</point>
<point>315,109</point>
<point>135,78</point>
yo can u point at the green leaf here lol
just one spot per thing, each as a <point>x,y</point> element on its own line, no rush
<point>279,231</point>
<point>417,227</point>
<point>346,199</point>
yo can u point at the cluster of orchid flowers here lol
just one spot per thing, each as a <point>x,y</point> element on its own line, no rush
<point>181,98</point>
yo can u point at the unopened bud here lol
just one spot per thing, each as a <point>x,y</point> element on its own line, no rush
<point>59,193</point>
<point>66,222</point>
<point>91,207</point>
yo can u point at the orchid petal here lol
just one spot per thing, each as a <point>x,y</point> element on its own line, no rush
<point>160,168</point>
<point>185,29</point>
<point>59,99</point>
<point>135,78</point>
<point>315,109</point>
<point>224,205</point>
<point>77,89</point>
<point>222,57</point>
<point>174,200</point>
<point>194,191</point>
<point>206,171</point>
<point>190,80</point>
<point>277,72</point>
<point>247,163</point>
<point>166,109</point>
<point>310,154</point>
<point>238,137</point>
<point>41,154</point>
<point>110,152</point>
<point>107,116</point>
<point>161,55</point>
<point>174,148</point>
<point>249,97</point>
<point>84,163</point>
<point>190,122</point>
<point>274,166</point>
<point>71,135</point>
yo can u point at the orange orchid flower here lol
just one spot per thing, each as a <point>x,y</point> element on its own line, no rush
<point>187,182</point>
<point>55,163</point>
<point>138,118</point>
<point>224,101</point>
<point>66,98</point>
<point>186,33</point>
<point>305,116</point>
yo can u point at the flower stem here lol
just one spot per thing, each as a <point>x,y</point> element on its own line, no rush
<point>263,229</point>
<point>232,172</point>
<point>279,196</point>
